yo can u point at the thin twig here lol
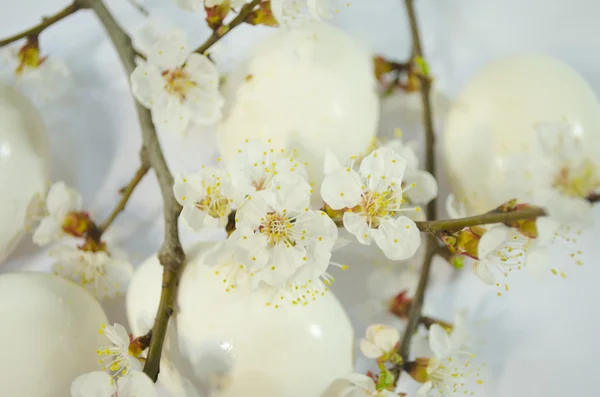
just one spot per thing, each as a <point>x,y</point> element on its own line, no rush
<point>140,8</point>
<point>414,314</point>
<point>417,52</point>
<point>143,170</point>
<point>170,255</point>
<point>46,22</point>
<point>218,34</point>
<point>485,219</point>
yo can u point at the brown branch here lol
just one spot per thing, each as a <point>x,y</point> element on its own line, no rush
<point>417,52</point>
<point>414,314</point>
<point>485,219</point>
<point>221,32</point>
<point>46,22</point>
<point>171,254</point>
<point>126,194</point>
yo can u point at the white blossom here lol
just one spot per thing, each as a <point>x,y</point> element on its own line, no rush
<point>60,201</point>
<point>42,77</point>
<point>380,341</point>
<point>101,384</point>
<point>197,5</point>
<point>425,187</point>
<point>501,250</point>
<point>373,197</point>
<point>356,385</point>
<point>280,239</point>
<point>565,176</point>
<point>450,365</point>
<point>177,85</point>
<point>298,12</point>
<point>117,358</point>
<point>206,197</point>
<point>257,163</point>
<point>102,275</point>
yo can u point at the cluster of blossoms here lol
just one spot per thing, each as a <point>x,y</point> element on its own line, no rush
<point>279,239</point>
<point>286,12</point>
<point>121,374</point>
<point>563,180</point>
<point>443,370</point>
<point>90,264</point>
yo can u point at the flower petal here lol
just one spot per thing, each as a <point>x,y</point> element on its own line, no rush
<point>421,188</point>
<point>169,52</point>
<point>146,81</point>
<point>387,338</point>
<point>136,384</point>
<point>93,384</point>
<point>424,390</point>
<point>370,350</point>
<point>455,208</point>
<point>168,114</point>
<point>331,162</point>
<point>439,342</point>
<point>399,238</point>
<point>493,238</point>
<point>342,189</point>
<point>383,168</point>
<point>362,381</point>
<point>62,199</point>
<point>357,225</point>
<point>202,69</point>
<point>46,232</point>
<point>193,217</point>
<point>190,5</point>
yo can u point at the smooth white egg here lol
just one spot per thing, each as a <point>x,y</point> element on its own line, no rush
<point>24,164</point>
<point>292,351</point>
<point>48,336</point>
<point>494,118</point>
<point>310,88</point>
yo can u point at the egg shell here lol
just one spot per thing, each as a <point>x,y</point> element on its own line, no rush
<point>311,89</point>
<point>494,118</point>
<point>293,351</point>
<point>24,164</point>
<point>48,335</point>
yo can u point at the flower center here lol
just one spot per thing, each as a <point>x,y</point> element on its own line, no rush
<point>277,228</point>
<point>380,205</point>
<point>214,203</point>
<point>178,82</point>
<point>577,180</point>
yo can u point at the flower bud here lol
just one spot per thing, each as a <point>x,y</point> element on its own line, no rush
<point>380,343</point>
<point>418,369</point>
<point>77,224</point>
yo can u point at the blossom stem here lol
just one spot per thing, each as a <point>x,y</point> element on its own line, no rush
<point>218,34</point>
<point>46,22</point>
<point>170,255</point>
<point>139,175</point>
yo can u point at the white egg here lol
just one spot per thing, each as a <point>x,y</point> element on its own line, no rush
<point>292,351</point>
<point>24,164</point>
<point>494,118</point>
<point>309,88</point>
<point>48,335</point>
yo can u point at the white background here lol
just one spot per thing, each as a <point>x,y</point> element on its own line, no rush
<point>541,338</point>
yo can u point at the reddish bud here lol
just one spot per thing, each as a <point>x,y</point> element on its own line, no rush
<point>400,304</point>
<point>262,16</point>
<point>77,224</point>
<point>215,15</point>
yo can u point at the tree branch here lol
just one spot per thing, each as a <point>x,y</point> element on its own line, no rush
<point>417,52</point>
<point>46,22</point>
<point>485,219</point>
<point>171,254</point>
<point>143,170</point>
<point>414,314</point>
<point>221,32</point>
